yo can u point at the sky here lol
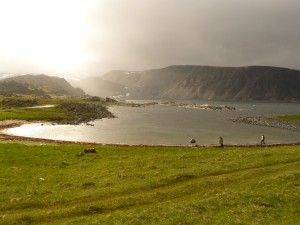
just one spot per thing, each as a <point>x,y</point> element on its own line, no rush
<point>91,37</point>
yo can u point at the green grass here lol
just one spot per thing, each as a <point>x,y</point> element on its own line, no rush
<point>54,114</point>
<point>43,183</point>
<point>34,114</point>
<point>295,118</point>
<point>291,117</point>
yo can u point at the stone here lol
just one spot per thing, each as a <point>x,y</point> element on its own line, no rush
<point>90,150</point>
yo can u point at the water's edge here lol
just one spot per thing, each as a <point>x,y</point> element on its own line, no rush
<point>173,126</point>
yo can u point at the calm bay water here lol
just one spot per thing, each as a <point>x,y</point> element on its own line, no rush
<point>173,126</point>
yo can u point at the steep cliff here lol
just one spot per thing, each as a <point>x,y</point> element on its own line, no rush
<point>206,82</point>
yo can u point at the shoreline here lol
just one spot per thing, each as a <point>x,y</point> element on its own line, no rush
<point>6,124</point>
<point>267,122</point>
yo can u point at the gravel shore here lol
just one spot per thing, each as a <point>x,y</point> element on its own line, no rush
<point>268,122</point>
<point>11,123</point>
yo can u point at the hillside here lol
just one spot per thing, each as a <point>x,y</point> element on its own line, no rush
<point>206,82</point>
<point>40,85</point>
<point>98,87</point>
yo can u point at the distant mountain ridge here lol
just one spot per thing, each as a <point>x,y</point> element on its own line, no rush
<point>207,82</point>
<point>96,86</point>
<point>41,85</point>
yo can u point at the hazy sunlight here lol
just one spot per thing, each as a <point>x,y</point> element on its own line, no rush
<point>51,33</point>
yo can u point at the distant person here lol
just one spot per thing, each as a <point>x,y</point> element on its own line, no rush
<point>221,142</point>
<point>262,141</point>
<point>192,141</point>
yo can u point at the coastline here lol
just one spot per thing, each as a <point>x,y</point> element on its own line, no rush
<point>267,122</point>
<point>6,124</point>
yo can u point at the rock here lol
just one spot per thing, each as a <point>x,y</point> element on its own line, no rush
<point>90,150</point>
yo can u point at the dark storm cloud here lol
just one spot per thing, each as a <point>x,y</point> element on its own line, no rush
<point>135,34</point>
<point>73,37</point>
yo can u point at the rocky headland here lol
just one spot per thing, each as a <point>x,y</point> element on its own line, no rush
<point>84,112</point>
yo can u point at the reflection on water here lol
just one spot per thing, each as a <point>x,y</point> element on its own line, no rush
<point>41,106</point>
<point>173,126</point>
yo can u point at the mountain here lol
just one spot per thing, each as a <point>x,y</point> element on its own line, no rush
<point>206,82</point>
<point>96,86</point>
<point>40,85</point>
<point>7,75</point>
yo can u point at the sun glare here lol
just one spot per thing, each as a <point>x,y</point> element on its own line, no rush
<point>50,32</point>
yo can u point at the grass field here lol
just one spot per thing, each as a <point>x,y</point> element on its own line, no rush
<point>47,183</point>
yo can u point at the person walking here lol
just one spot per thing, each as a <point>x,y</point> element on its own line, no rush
<point>221,142</point>
<point>192,141</point>
<point>262,141</point>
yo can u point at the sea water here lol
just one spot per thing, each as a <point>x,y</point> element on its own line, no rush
<point>171,125</point>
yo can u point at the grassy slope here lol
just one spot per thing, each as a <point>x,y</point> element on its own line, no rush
<point>148,185</point>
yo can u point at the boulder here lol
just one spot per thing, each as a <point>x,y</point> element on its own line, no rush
<point>90,150</point>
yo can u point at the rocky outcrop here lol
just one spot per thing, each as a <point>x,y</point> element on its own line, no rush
<point>84,112</point>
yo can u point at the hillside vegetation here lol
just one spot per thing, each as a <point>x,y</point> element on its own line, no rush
<point>39,85</point>
<point>206,82</point>
<point>62,110</point>
<point>43,183</point>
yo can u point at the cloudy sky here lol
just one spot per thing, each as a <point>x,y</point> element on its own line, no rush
<point>91,37</point>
